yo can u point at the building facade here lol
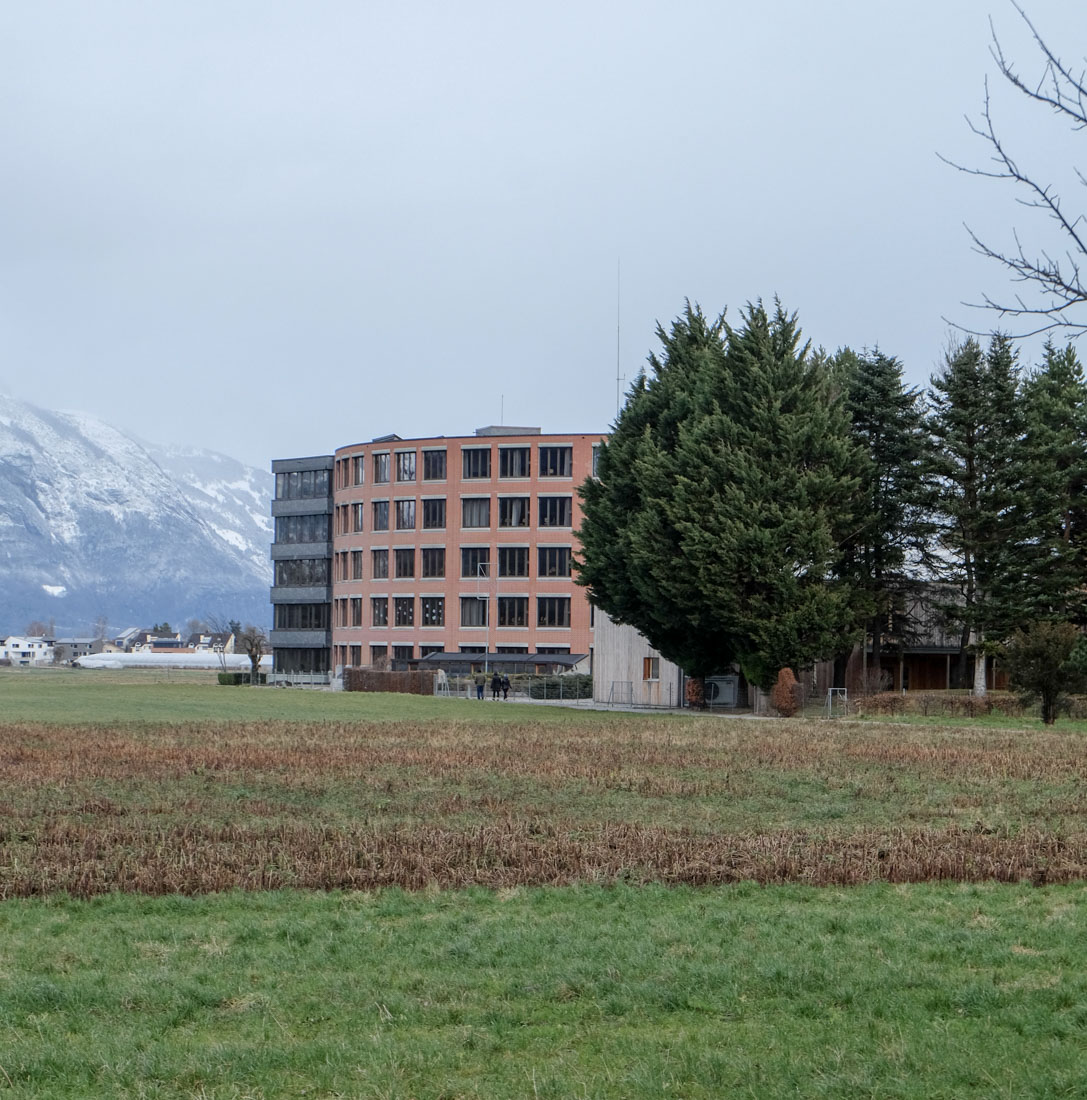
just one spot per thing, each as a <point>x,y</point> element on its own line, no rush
<point>458,544</point>
<point>301,592</point>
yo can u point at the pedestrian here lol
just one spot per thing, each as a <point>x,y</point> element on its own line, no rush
<point>496,687</point>
<point>505,688</point>
<point>479,686</point>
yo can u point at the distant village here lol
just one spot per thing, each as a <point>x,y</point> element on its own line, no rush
<point>40,649</point>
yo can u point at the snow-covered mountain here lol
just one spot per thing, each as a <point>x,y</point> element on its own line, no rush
<point>95,523</point>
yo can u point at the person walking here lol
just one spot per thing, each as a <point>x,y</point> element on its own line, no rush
<point>505,688</point>
<point>479,686</point>
<point>496,687</point>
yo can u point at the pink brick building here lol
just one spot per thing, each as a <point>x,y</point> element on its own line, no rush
<point>458,544</point>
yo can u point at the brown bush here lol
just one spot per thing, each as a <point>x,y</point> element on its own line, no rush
<point>405,683</point>
<point>785,694</point>
<point>883,702</point>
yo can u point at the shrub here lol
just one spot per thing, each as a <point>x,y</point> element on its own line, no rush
<point>785,694</point>
<point>883,702</point>
<point>233,679</point>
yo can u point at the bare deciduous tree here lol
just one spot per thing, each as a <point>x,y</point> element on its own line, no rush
<point>253,641</point>
<point>1055,296</point>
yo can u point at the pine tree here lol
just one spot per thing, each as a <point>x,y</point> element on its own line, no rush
<point>723,497</point>
<point>976,429</point>
<point>886,424</point>
<point>1050,519</point>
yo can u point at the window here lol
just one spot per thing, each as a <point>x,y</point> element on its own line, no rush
<point>404,611</point>
<point>513,561</point>
<point>358,466</point>
<point>356,565</point>
<point>302,616</point>
<point>301,572</point>
<point>553,611</point>
<point>555,511</point>
<point>651,668</point>
<point>475,561</point>
<point>473,611</point>
<point>475,512</point>
<point>511,649</point>
<point>378,654</point>
<point>302,485</point>
<point>379,611</point>
<point>513,461</point>
<point>432,610</point>
<point>294,529</point>
<point>546,649</point>
<point>513,511</point>
<point>596,458</point>
<point>433,561</point>
<point>434,465</point>
<point>300,660</point>
<point>405,466</point>
<point>472,649</point>
<point>427,650</point>
<point>405,562</point>
<point>556,462</point>
<point>356,611</point>
<point>379,564</point>
<point>405,515</point>
<point>513,611</point>
<point>403,652</point>
<point>554,561</point>
<point>381,469</point>
<point>477,462</point>
<point>356,517</point>
<point>433,514</point>
<point>356,656</point>
<point>381,515</point>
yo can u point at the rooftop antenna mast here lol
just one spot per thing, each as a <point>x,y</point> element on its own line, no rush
<point>619,378</point>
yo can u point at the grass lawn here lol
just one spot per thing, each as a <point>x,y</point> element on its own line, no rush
<point>67,695</point>
<point>921,991</point>
<point>583,917</point>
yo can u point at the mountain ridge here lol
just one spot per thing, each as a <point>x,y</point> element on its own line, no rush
<point>97,523</point>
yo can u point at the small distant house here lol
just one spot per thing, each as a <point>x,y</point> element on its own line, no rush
<point>20,650</point>
<point>68,649</point>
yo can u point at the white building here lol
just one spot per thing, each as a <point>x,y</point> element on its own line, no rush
<point>20,650</point>
<point>628,670</point>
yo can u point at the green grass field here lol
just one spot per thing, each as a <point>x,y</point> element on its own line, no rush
<point>583,919</point>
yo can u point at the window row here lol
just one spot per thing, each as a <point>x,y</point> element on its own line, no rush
<point>301,572</point>
<point>475,513</point>
<point>302,485</point>
<point>379,654</point>
<point>476,463</point>
<point>475,562</point>
<point>301,616</point>
<point>295,529</point>
<point>510,611</point>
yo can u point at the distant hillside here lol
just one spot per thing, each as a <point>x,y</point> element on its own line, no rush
<point>95,523</point>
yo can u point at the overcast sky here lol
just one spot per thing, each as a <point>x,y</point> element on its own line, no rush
<point>272,228</point>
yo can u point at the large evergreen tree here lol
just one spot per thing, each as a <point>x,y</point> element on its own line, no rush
<point>886,424</point>
<point>976,427</point>
<point>1049,545</point>
<point>723,496</point>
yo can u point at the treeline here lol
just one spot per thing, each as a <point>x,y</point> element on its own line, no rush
<point>764,503</point>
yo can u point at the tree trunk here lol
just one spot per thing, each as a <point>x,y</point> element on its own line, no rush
<point>980,687</point>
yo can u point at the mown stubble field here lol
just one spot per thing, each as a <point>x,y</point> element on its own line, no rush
<point>537,799</point>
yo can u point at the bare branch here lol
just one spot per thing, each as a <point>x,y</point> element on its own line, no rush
<point>1057,279</point>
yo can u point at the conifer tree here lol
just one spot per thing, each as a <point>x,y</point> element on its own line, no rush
<point>723,496</point>
<point>975,424</point>
<point>1049,547</point>
<point>886,424</point>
